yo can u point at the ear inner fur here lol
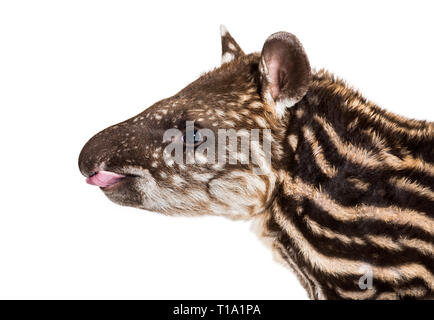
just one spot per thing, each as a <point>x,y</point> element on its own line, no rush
<point>285,70</point>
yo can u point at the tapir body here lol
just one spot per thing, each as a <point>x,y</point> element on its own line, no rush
<point>341,189</point>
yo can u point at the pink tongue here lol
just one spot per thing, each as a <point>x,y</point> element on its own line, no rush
<point>104,179</point>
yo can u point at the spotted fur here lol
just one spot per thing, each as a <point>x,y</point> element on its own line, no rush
<point>230,49</point>
<point>351,186</point>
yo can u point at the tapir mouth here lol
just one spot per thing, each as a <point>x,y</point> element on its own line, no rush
<point>105,179</point>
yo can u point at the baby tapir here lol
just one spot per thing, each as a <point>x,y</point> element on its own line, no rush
<point>341,189</point>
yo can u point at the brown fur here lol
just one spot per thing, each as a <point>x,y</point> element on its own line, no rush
<point>351,186</point>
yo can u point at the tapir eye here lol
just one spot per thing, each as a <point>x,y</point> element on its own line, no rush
<point>192,137</point>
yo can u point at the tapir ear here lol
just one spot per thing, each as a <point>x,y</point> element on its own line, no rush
<point>285,71</point>
<point>230,49</point>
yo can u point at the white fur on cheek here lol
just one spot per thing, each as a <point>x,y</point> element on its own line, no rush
<point>170,200</point>
<point>242,193</point>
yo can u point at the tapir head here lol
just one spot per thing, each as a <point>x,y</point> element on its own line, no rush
<point>185,154</point>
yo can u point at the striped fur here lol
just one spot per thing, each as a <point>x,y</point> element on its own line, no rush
<point>355,191</point>
<point>350,191</point>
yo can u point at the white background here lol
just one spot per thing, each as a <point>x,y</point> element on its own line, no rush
<point>71,68</point>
